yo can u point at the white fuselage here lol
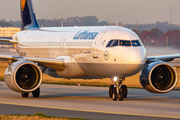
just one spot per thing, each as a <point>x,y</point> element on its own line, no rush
<point>84,50</point>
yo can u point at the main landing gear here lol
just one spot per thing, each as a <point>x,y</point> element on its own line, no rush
<point>118,91</point>
<point>35,93</point>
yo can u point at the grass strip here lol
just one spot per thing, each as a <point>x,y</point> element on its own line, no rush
<point>36,116</point>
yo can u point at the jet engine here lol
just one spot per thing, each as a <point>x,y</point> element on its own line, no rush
<point>23,76</point>
<point>158,77</point>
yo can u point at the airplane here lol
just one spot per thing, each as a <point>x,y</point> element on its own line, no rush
<point>95,52</point>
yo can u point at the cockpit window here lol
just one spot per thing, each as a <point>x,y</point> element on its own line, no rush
<point>135,43</point>
<point>109,43</point>
<point>115,43</point>
<point>124,43</point>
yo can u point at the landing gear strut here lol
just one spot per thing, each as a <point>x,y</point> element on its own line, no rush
<point>117,91</point>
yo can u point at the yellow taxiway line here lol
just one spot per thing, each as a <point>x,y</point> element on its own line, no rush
<point>81,110</point>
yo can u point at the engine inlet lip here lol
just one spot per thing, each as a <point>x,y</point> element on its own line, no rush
<point>174,82</point>
<point>15,72</point>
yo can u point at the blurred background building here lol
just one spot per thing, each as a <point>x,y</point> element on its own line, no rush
<point>8,31</point>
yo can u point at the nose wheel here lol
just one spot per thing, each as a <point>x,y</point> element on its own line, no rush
<point>124,90</point>
<point>112,89</point>
<point>118,91</point>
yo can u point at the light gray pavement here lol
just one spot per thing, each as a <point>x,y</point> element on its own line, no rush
<point>95,100</point>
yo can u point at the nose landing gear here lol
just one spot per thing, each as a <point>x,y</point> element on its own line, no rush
<point>118,91</point>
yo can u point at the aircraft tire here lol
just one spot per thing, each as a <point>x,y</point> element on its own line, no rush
<point>114,96</point>
<point>36,93</point>
<point>120,96</point>
<point>124,90</point>
<point>25,94</point>
<point>111,89</point>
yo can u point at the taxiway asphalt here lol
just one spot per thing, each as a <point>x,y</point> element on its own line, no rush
<point>91,103</point>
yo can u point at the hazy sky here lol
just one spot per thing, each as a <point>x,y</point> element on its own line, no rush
<point>125,11</point>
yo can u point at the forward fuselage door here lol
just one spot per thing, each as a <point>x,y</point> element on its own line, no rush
<point>96,44</point>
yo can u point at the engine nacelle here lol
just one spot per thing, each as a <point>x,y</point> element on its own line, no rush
<point>23,76</point>
<point>158,77</point>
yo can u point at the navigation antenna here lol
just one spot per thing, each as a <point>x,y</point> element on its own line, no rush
<point>117,23</point>
<point>62,24</point>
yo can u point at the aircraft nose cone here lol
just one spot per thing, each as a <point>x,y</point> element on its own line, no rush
<point>136,60</point>
<point>137,57</point>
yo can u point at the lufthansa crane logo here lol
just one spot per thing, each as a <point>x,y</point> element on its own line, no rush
<point>106,55</point>
<point>23,3</point>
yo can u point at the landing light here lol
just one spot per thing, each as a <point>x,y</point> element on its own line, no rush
<point>115,79</point>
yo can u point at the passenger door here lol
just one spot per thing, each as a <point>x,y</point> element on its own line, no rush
<point>96,44</point>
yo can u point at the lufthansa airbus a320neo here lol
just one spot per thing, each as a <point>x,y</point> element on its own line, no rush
<point>84,53</point>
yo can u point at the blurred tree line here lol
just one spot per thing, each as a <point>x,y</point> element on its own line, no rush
<point>164,26</point>
<point>94,21</point>
<point>157,34</point>
<point>156,37</point>
<point>3,23</point>
<point>72,21</point>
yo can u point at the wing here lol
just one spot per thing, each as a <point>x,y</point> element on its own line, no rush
<point>50,63</point>
<point>8,40</point>
<point>166,58</point>
<point>57,64</point>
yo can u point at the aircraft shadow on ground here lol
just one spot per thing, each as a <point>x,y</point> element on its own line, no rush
<point>86,94</point>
